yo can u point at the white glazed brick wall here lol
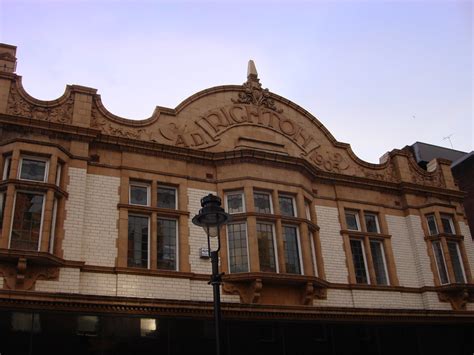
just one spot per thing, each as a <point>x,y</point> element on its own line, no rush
<point>403,251</point>
<point>68,282</point>
<point>100,220</point>
<point>336,298</point>
<point>432,302</point>
<point>92,283</point>
<point>331,244</point>
<point>468,244</point>
<point>422,260</point>
<point>153,287</point>
<point>201,291</point>
<point>75,205</point>
<point>197,237</point>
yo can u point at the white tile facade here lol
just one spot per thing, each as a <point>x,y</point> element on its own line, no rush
<point>68,282</point>
<point>403,246</point>
<point>468,244</point>
<point>332,244</point>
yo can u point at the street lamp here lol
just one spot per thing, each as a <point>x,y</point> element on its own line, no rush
<point>211,217</point>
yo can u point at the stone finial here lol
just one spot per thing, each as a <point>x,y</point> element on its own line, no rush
<point>7,58</point>
<point>251,70</point>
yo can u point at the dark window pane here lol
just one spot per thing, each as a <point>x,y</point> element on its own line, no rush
<point>139,195</point>
<point>286,206</point>
<point>237,239</point>
<point>456,261</point>
<point>447,224</point>
<point>235,203</point>
<point>2,208</point>
<point>166,244</point>
<point>351,221</point>
<point>290,243</point>
<point>266,250</point>
<point>27,221</point>
<point>359,261</point>
<point>33,170</point>
<point>6,168</point>
<point>137,241</point>
<point>432,224</point>
<point>166,197</point>
<point>443,275</point>
<point>379,264</point>
<point>262,202</point>
<point>371,223</point>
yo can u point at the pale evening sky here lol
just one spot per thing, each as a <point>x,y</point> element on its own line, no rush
<point>378,74</point>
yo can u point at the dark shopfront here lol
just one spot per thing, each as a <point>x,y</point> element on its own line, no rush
<point>24,332</point>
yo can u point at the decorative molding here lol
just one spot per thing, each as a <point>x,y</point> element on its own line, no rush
<point>24,275</point>
<point>254,94</point>
<point>457,294</point>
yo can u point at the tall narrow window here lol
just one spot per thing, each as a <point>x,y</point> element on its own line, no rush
<point>438,252</point>
<point>167,246</point>
<point>52,236</point>
<point>6,167</point>
<point>292,253</point>
<point>352,220</point>
<point>138,241</point>
<point>33,169</point>
<point>2,209</point>
<point>167,197</point>
<point>313,254</point>
<point>358,258</point>
<point>262,202</point>
<point>139,194</point>
<point>235,202</point>
<point>287,207</point>
<point>378,257</point>
<point>447,222</point>
<point>458,269</point>
<point>432,226</point>
<point>266,247</point>
<point>237,244</point>
<point>371,222</point>
<point>27,221</point>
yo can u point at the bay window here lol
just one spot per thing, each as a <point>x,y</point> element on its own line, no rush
<point>237,247</point>
<point>266,247</point>
<point>167,197</point>
<point>234,202</point>
<point>33,169</point>
<point>167,236</point>
<point>292,249</point>
<point>27,221</point>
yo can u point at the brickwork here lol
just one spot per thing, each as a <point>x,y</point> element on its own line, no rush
<point>100,220</point>
<point>431,301</point>
<point>331,244</point>
<point>93,283</point>
<point>153,287</point>
<point>68,282</point>
<point>75,207</point>
<point>422,260</point>
<point>197,237</point>
<point>403,251</point>
<point>201,291</point>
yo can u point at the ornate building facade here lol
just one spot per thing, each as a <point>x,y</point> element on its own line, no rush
<point>325,253</point>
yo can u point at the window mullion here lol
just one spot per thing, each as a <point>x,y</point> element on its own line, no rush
<point>47,220</point>
<point>280,248</point>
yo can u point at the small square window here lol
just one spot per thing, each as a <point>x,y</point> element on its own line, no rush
<point>432,226</point>
<point>352,220</point>
<point>286,205</point>
<point>139,194</point>
<point>371,222</point>
<point>33,169</point>
<point>262,202</point>
<point>235,202</point>
<point>448,225</point>
<point>167,197</point>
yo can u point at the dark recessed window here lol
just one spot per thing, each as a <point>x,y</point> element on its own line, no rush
<point>32,169</point>
<point>166,241</point>
<point>27,220</point>
<point>262,202</point>
<point>287,207</point>
<point>137,241</point>
<point>166,197</point>
<point>139,194</point>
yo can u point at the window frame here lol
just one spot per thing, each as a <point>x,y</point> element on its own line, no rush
<point>133,214</point>
<point>168,187</point>
<point>377,225</point>
<point>357,218</point>
<point>226,201</point>
<point>139,184</point>
<point>298,245</point>
<point>40,238</point>
<point>269,200</point>
<point>6,167</point>
<point>460,260</point>
<point>275,247</point>
<point>384,260</point>
<point>364,257</point>
<point>176,220</point>
<point>450,221</point>
<point>438,266</point>
<point>433,216</point>
<point>246,243</point>
<point>33,158</point>
<point>293,204</point>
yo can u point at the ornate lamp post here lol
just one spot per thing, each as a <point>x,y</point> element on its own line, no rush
<point>211,217</point>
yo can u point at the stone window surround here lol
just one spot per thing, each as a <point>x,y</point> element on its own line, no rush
<point>366,237</point>
<point>181,216</point>
<point>53,189</point>
<point>443,238</point>
<point>310,261</point>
